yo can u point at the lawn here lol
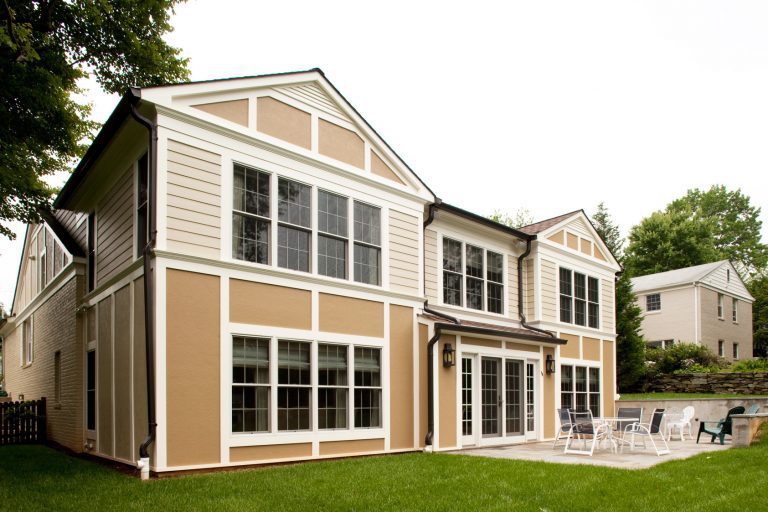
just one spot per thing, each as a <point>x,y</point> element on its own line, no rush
<point>682,396</point>
<point>38,478</point>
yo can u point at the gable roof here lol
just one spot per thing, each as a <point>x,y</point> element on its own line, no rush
<point>543,225</point>
<point>681,276</point>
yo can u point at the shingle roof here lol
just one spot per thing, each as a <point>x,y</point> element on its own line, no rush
<point>673,277</point>
<point>538,227</point>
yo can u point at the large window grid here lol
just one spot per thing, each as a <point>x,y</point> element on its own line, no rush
<point>332,386</point>
<point>579,299</point>
<point>580,388</point>
<point>294,387</point>
<point>250,384</point>
<point>251,215</point>
<point>367,231</point>
<point>478,271</point>
<point>294,229</point>
<point>332,234</point>
<point>367,387</point>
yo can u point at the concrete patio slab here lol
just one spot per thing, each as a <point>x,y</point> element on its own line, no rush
<point>638,459</point>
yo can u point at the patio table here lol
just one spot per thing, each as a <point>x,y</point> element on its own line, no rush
<point>610,422</point>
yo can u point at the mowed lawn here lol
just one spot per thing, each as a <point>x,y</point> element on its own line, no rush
<point>38,478</point>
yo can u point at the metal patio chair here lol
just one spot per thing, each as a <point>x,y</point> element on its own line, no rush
<point>583,428</point>
<point>565,425</point>
<point>647,431</point>
<point>634,415</point>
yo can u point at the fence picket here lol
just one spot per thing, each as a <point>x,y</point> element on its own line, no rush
<point>23,422</point>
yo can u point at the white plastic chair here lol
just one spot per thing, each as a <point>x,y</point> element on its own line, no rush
<point>680,424</point>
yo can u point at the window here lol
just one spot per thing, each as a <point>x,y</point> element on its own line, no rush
<point>466,396</point>
<point>735,350</point>
<point>43,267</point>
<point>91,251</point>
<point>367,387</point>
<point>250,215</point>
<point>720,308</point>
<point>57,377</point>
<point>367,230</point>
<point>332,235</point>
<point>294,229</point>
<point>728,275</point>
<point>27,342</point>
<point>653,302</point>
<point>90,390</point>
<point>293,385</point>
<point>250,384</point>
<point>735,310</point>
<point>478,271</point>
<point>579,298</point>
<point>721,348</point>
<point>660,343</point>
<point>332,386</point>
<point>142,202</point>
<point>580,388</point>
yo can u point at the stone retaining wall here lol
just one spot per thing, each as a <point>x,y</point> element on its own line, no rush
<point>741,383</point>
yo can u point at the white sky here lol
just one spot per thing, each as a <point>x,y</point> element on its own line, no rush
<point>547,105</point>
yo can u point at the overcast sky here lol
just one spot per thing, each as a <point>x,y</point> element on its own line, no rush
<point>550,106</point>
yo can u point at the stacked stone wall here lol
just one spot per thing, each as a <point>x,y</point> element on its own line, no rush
<point>740,383</point>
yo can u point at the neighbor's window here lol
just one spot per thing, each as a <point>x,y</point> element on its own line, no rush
<point>332,234</point>
<point>250,215</point>
<point>721,348</point>
<point>294,229</point>
<point>250,384</point>
<point>367,231</point>
<point>478,271</point>
<point>720,307</point>
<point>367,387</point>
<point>580,388</point>
<point>27,342</point>
<point>294,388</point>
<point>579,298</point>
<point>735,350</point>
<point>142,202</point>
<point>332,386</point>
<point>735,310</point>
<point>653,302</point>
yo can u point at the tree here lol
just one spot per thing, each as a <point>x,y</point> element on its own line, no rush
<point>668,241</point>
<point>759,289</point>
<point>608,231</point>
<point>46,47</point>
<point>735,225</point>
<point>522,217</point>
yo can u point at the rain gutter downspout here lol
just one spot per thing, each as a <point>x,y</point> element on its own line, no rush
<point>520,309</point>
<point>149,327</point>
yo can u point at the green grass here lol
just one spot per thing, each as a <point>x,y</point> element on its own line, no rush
<point>38,478</point>
<point>667,396</point>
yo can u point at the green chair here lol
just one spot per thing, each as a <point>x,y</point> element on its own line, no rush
<point>722,428</point>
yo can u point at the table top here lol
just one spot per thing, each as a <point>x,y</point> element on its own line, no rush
<point>614,418</point>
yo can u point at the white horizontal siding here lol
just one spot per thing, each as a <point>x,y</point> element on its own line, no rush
<point>548,290</point>
<point>512,286</point>
<point>114,229</point>
<point>430,265</point>
<point>312,95</point>
<point>579,227</point>
<point>719,279</point>
<point>529,292</point>
<point>607,305</point>
<point>403,252</point>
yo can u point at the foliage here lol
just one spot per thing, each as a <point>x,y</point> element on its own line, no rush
<point>735,223</point>
<point>521,217</point>
<point>682,358</point>
<point>46,47</point>
<point>608,230</point>
<point>750,365</point>
<point>759,289</point>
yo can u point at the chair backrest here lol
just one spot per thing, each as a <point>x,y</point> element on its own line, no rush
<point>656,418</point>
<point>727,425</point>
<point>628,412</point>
<point>565,416</point>
<point>688,413</point>
<point>753,409</point>
<point>582,422</point>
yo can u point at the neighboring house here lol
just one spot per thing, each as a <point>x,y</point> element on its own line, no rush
<point>267,256</point>
<point>707,304</point>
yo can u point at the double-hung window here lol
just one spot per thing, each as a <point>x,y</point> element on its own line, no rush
<point>579,298</point>
<point>332,234</point>
<point>294,387</point>
<point>735,310</point>
<point>294,229</point>
<point>332,386</point>
<point>250,215</point>
<point>367,387</point>
<point>250,384</point>
<point>580,388</point>
<point>720,307</point>
<point>653,302</point>
<point>478,271</point>
<point>367,231</point>
<point>27,342</point>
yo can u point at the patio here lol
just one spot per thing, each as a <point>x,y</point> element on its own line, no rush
<point>638,459</point>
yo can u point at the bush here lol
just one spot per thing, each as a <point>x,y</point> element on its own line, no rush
<point>750,365</point>
<point>681,358</point>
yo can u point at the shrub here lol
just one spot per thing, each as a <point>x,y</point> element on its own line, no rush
<point>750,365</point>
<point>682,358</point>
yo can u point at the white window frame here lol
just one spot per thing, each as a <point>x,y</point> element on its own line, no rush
<point>574,270</point>
<point>735,310</point>
<point>721,348</point>
<point>647,302</point>
<point>577,363</point>
<point>720,306</point>
<point>735,350</point>
<point>27,352</point>
<point>464,243</point>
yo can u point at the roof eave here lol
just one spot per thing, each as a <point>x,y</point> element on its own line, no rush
<point>499,332</point>
<point>483,220</point>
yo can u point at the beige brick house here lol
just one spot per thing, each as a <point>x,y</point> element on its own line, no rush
<point>307,295</point>
<point>705,304</point>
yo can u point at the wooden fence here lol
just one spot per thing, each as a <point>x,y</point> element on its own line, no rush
<point>22,422</point>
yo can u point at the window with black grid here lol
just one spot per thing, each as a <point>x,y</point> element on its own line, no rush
<point>294,385</point>
<point>580,298</point>
<point>332,234</point>
<point>475,274</point>
<point>466,396</point>
<point>250,215</point>
<point>332,386</point>
<point>367,250</point>
<point>367,387</point>
<point>566,295</point>
<point>594,391</point>
<point>495,264</point>
<point>294,229</point>
<point>653,302</point>
<point>250,384</point>
<point>452,275</point>
<point>566,387</point>
<point>580,388</point>
<point>593,298</point>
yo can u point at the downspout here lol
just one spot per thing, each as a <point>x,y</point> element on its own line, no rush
<point>149,327</point>
<point>520,309</point>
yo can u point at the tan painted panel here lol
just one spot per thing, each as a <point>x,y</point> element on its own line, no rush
<point>359,446</point>
<point>570,349</point>
<point>599,255</point>
<point>104,378</point>
<point>558,237</point>
<point>192,368</point>
<point>283,121</point>
<point>139,367</point>
<point>380,168</point>
<point>573,242</point>
<point>586,246</point>
<point>609,386</point>
<point>590,348</point>
<point>478,342</point>
<point>341,144</point>
<point>522,347</point>
<point>401,377</point>
<point>548,410</point>
<point>270,452</point>
<point>446,394</point>
<point>265,304</point>
<point>123,441</point>
<point>345,315</point>
<point>234,110</point>
<point>423,420</point>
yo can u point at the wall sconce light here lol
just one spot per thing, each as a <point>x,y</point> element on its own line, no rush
<point>550,365</point>
<point>449,356</point>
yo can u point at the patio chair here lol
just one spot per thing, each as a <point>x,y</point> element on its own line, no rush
<point>684,421</point>
<point>647,431</point>
<point>565,425</point>
<point>753,409</point>
<point>635,413</point>
<point>583,428</point>
<point>721,428</point>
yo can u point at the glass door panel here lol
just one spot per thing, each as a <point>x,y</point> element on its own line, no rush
<point>491,396</point>
<point>530,399</point>
<point>514,397</point>
<point>467,402</point>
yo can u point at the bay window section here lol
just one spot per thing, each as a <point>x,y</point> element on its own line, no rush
<point>332,390</point>
<point>294,387</point>
<point>579,299</point>
<point>452,278</point>
<point>250,215</point>
<point>474,270</point>
<point>478,271</point>
<point>294,229</point>
<point>580,388</point>
<point>367,387</point>
<point>367,250</point>
<point>332,234</point>
<point>250,384</point>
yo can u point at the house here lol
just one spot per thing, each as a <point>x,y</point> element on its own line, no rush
<point>242,271</point>
<point>706,304</point>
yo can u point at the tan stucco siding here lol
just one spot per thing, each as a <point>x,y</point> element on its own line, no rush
<point>380,168</point>
<point>403,252</point>
<point>345,315</point>
<point>122,372</point>
<point>114,229</point>
<point>235,111</point>
<point>283,121</point>
<point>521,347</point>
<point>401,377</point>
<point>590,348</point>
<point>140,428</point>
<point>714,328</point>
<point>609,375</point>
<point>104,379</point>
<point>345,447</point>
<point>607,306</point>
<point>194,201</point>
<point>572,348</point>
<point>548,409</point>
<point>558,238</point>
<point>192,368</point>
<point>264,304</point>
<point>586,246</point>
<point>572,242</point>
<point>341,144</point>
<point>447,398</point>
<point>675,320</point>
<point>431,271</point>
<point>548,288</point>
<point>468,343</point>
<point>423,340</point>
<point>270,452</point>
